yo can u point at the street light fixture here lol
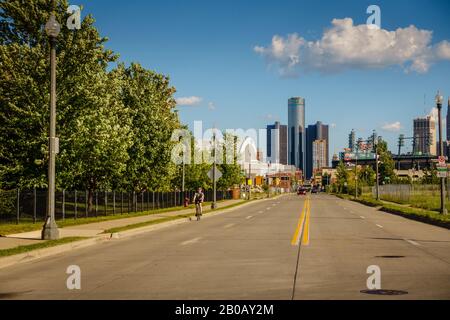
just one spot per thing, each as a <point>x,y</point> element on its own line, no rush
<point>50,230</point>
<point>439,100</point>
<point>52,27</point>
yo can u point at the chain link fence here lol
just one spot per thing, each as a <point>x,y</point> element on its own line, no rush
<point>18,206</point>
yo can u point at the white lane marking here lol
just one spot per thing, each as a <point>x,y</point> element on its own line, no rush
<point>273,205</point>
<point>362,217</point>
<point>229,225</point>
<point>267,208</point>
<point>379,226</point>
<point>190,241</point>
<point>260,211</point>
<point>412,242</point>
<point>249,217</point>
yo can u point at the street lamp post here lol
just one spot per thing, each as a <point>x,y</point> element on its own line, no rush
<point>183,176</point>
<point>249,174</point>
<point>439,100</point>
<point>214,202</point>
<point>50,230</point>
<point>268,179</point>
<point>377,172</point>
<point>356,175</point>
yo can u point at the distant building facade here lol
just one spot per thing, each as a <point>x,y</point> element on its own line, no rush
<point>319,155</point>
<point>448,120</point>
<point>316,134</point>
<point>352,140</point>
<point>277,143</point>
<point>447,144</point>
<point>296,132</point>
<point>425,136</point>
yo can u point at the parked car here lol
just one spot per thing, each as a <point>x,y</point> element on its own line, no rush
<point>315,189</point>
<point>301,191</point>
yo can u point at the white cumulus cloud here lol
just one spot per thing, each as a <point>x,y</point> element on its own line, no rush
<point>349,46</point>
<point>188,101</point>
<point>392,127</point>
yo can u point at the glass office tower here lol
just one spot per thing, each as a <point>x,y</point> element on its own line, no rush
<point>296,129</point>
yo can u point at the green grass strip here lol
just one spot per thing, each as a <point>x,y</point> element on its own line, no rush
<point>7,229</point>
<point>166,219</point>
<point>40,245</point>
<point>417,214</point>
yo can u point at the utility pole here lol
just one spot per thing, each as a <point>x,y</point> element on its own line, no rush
<point>214,203</point>
<point>183,178</point>
<point>401,143</point>
<point>249,174</point>
<point>439,99</point>
<point>50,230</point>
<point>356,175</point>
<point>268,179</point>
<point>377,185</point>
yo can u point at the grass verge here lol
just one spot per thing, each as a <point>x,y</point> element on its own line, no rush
<point>7,229</point>
<point>40,245</point>
<point>426,216</point>
<point>166,219</point>
<point>418,214</point>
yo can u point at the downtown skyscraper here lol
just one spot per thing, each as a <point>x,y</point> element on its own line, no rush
<point>277,143</point>
<point>317,148</point>
<point>296,132</point>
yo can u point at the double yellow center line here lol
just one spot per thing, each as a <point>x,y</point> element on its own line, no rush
<point>302,230</point>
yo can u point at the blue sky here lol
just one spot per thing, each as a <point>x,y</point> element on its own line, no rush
<point>208,50</point>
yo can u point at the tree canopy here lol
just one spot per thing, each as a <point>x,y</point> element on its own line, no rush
<point>114,122</point>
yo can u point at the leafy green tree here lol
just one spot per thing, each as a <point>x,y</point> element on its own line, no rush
<point>342,177</point>
<point>231,170</point>
<point>430,176</point>
<point>97,143</point>
<point>367,176</point>
<point>24,88</point>
<point>149,98</point>
<point>387,165</point>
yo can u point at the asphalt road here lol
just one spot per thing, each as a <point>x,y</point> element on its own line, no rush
<point>257,252</point>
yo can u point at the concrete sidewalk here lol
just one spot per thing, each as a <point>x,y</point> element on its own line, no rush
<point>97,228</point>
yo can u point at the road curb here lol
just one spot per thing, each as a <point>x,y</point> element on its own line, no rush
<point>47,252</point>
<point>138,231</point>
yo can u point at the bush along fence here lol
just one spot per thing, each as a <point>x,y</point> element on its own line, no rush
<point>18,206</point>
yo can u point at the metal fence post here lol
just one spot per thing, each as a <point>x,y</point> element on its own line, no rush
<point>121,202</point>
<point>34,205</point>
<point>96,204</point>
<point>106,203</point>
<point>76,204</point>
<point>64,205</point>
<point>128,202</point>
<point>18,206</point>
<point>114,202</point>
<point>86,203</point>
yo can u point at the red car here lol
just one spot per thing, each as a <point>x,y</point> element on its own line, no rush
<point>301,191</point>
